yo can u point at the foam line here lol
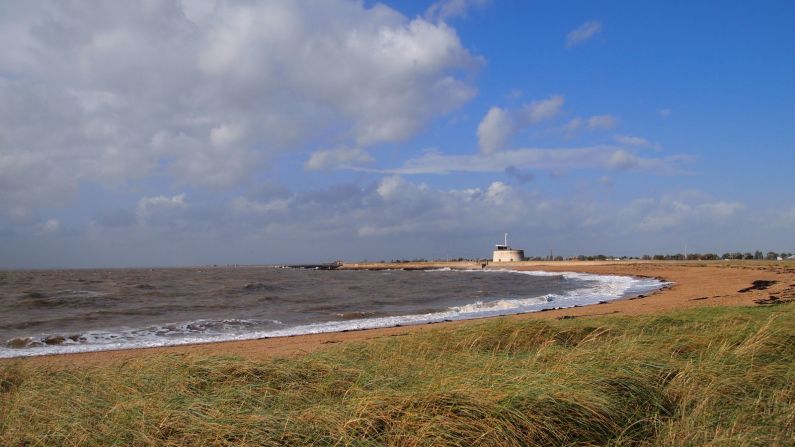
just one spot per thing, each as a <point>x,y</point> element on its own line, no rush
<point>599,288</point>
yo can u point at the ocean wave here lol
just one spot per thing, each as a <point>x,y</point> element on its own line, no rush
<point>480,306</point>
<point>86,341</point>
<point>596,288</point>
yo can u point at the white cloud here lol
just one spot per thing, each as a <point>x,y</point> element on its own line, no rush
<point>21,215</point>
<point>595,123</point>
<point>495,130</point>
<point>499,125</point>
<point>572,126</point>
<point>606,181</point>
<point>148,206</point>
<point>603,157</point>
<point>226,134</point>
<point>498,192</point>
<point>242,205</point>
<point>622,159</point>
<point>629,140</point>
<point>665,113</point>
<point>207,91</point>
<point>53,181</point>
<point>50,226</point>
<point>215,163</point>
<point>396,206</point>
<point>391,187</point>
<point>599,122</point>
<point>719,210</point>
<point>583,33</point>
<point>677,211</point>
<point>397,217</point>
<point>445,9</point>
<point>198,11</point>
<point>543,109</point>
<point>337,158</point>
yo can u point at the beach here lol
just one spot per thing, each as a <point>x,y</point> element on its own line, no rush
<point>705,361</point>
<point>692,284</point>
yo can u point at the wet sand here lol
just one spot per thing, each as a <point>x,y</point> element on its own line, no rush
<point>695,284</point>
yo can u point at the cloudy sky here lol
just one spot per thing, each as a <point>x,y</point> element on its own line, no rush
<point>210,132</point>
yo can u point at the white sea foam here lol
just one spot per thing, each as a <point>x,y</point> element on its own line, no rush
<point>598,288</point>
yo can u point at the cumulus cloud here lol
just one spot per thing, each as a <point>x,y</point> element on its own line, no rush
<point>206,91</point>
<point>396,208</point>
<point>149,206</point>
<point>217,163</point>
<point>226,134</point>
<point>446,9</point>
<point>499,125</point>
<point>543,109</point>
<point>678,211</point>
<point>583,33</point>
<point>606,181</point>
<point>571,128</point>
<point>594,123</point>
<point>629,140</point>
<point>49,226</point>
<point>242,205</point>
<point>495,130</point>
<point>391,187</point>
<point>600,122</point>
<point>337,158</point>
<point>588,157</point>
<point>396,217</point>
<point>498,192</point>
<point>622,159</point>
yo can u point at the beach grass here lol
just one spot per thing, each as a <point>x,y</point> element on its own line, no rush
<point>708,376</point>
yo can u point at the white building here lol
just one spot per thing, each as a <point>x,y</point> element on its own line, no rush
<point>504,253</point>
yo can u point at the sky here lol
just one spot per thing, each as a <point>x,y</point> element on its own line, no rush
<point>159,133</point>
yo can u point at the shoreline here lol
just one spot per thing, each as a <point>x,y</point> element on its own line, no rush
<point>694,284</point>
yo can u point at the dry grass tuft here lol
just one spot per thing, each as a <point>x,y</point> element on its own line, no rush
<point>716,376</point>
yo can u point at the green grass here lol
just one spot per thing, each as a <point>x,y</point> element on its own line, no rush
<point>717,376</point>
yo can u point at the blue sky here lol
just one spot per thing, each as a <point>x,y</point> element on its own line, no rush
<point>204,132</point>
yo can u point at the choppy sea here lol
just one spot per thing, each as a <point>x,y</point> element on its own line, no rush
<point>65,311</point>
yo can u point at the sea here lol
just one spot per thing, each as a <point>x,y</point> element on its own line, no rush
<point>67,311</point>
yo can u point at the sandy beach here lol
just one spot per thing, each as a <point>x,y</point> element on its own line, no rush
<point>693,284</point>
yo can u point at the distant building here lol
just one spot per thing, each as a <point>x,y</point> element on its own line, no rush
<point>504,253</point>
<point>791,258</point>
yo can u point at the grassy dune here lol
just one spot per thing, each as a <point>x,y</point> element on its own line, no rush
<point>711,376</point>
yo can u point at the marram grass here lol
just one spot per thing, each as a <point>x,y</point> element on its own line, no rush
<point>719,376</point>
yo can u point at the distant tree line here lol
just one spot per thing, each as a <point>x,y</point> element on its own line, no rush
<point>758,255</point>
<point>596,258</point>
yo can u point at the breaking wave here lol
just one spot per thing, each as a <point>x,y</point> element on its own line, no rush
<point>598,288</point>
